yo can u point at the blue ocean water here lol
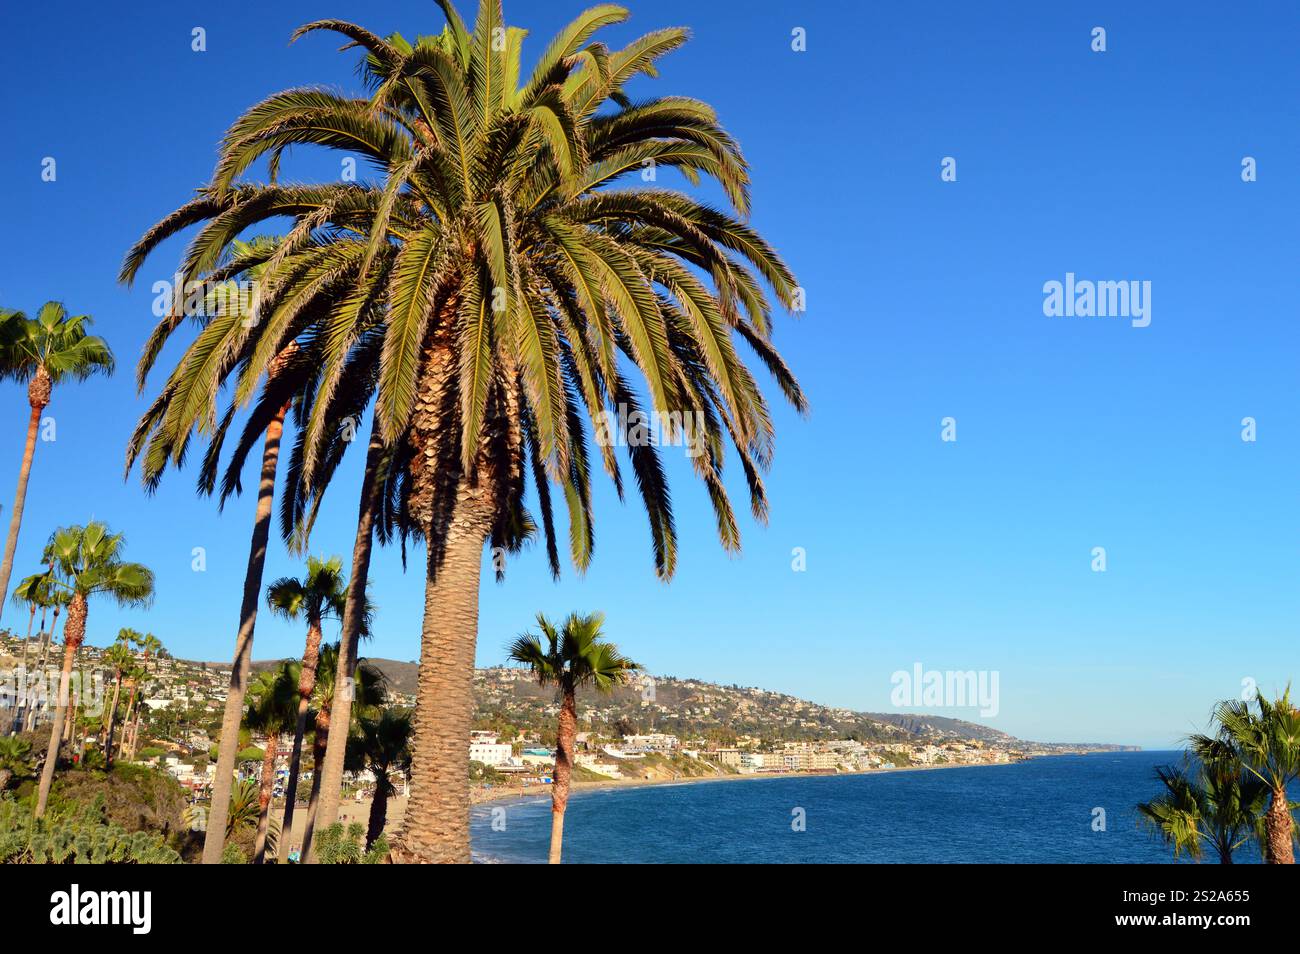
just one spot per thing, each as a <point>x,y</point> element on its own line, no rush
<point>1041,810</point>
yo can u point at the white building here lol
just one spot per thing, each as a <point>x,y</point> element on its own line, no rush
<point>490,753</point>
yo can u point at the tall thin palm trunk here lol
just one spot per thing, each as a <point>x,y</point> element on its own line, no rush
<point>228,749</point>
<point>319,743</point>
<point>306,686</point>
<point>565,739</point>
<point>112,717</point>
<point>265,796</point>
<point>331,773</point>
<point>126,718</point>
<point>74,631</point>
<point>45,655</point>
<point>1277,828</point>
<point>20,715</point>
<point>435,828</point>
<point>38,396</point>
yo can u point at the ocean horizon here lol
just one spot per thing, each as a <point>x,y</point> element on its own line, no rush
<point>1048,809</point>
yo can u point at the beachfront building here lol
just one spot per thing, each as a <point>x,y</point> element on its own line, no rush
<point>655,742</point>
<point>490,753</point>
<point>727,757</point>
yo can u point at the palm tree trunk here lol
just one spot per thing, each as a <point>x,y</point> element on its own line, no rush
<point>74,631</point>
<point>456,510</point>
<point>130,709</point>
<point>435,828</point>
<point>223,781</point>
<point>1277,827</point>
<point>24,473</point>
<point>565,738</point>
<point>306,685</point>
<point>331,773</point>
<point>265,796</point>
<point>112,717</point>
<point>20,717</point>
<point>378,812</point>
<point>319,744</point>
<point>45,655</point>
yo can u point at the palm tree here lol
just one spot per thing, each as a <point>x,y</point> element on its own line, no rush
<point>132,639</point>
<point>1267,744</point>
<point>120,662</point>
<point>230,338</point>
<point>87,562</point>
<point>43,352</point>
<point>366,692</point>
<point>1211,802</point>
<point>56,599</point>
<point>150,646</point>
<point>383,745</point>
<point>571,658</point>
<point>510,279</point>
<point>273,706</point>
<point>32,591</point>
<point>317,596</point>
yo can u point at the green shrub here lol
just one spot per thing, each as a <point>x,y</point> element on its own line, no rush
<point>82,836</point>
<point>337,846</point>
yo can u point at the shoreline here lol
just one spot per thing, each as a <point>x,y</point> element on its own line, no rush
<point>502,793</point>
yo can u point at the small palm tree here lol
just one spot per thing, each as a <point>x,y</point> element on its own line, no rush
<point>121,663</point>
<point>383,746</point>
<point>43,352</point>
<point>31,592</point>
<point>1267,744</point>
<point>50,598</point>
<point>272,709</point>
<point>1212,801</point>
<point>15,759</point>
<point>572,658</point>
<point>244,807</point>
<point>87,562</point>
<point>150,646</point>
<point>319,595</point>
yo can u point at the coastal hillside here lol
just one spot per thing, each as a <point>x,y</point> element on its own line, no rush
<point>692,708</point>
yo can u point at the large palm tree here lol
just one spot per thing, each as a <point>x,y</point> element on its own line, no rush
<point>1266,741</point>
<point>1210,802</point>
<point>87,563</point>
<point>43,351</point>
<point>491,291</point>
<point>319,595</point>
<point>272,710</point>
<point>571,658</point>
<point>383,745</point>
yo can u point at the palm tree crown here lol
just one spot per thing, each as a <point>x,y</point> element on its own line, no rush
<point>318,595</point>
<point>53,347</point>
<point>573,655</point>
<point>88,562</point>
<point>511,276</point>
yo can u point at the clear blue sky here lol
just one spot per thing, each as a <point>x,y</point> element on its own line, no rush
<point>924,301</point>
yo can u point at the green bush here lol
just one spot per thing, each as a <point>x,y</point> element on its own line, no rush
<point>82,836</point>
<point>337,846</point>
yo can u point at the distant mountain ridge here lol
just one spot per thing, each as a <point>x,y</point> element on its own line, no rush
<point>691,708</point>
